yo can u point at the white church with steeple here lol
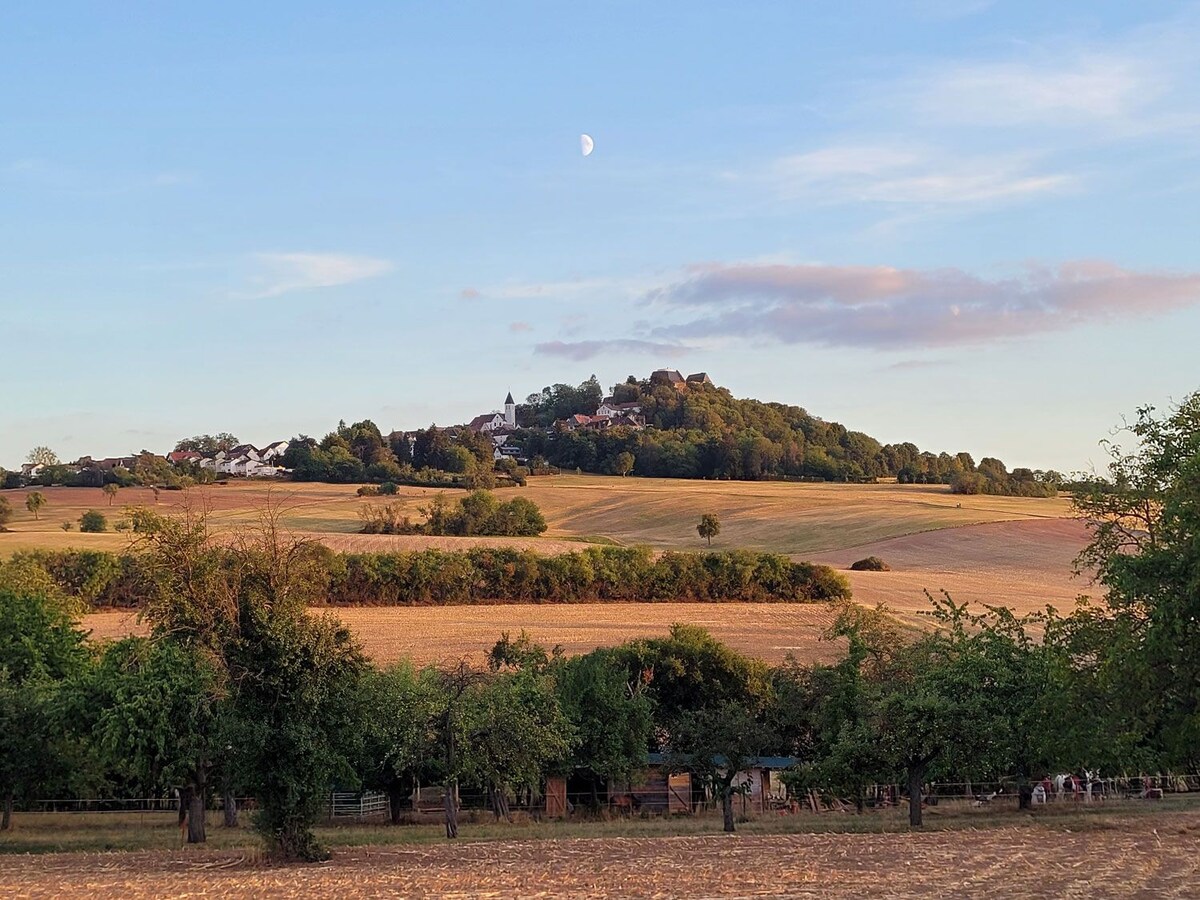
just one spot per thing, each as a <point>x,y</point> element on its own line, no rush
<point>495,421</point>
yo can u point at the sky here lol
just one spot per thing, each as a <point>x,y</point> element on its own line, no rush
<point>971,225</point>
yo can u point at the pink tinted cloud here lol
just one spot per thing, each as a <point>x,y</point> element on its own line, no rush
<point>517,327</point>
<point>885,307</point>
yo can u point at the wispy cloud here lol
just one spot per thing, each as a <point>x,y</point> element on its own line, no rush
<point>286,272</point>
<point>890,308</point>
<point>583,350</point>
<point>519,327</point>
<point>905,174</point>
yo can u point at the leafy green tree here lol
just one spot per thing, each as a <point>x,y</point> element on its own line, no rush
<point>296,718</point>
<point>717,744</point>
<point>34,502</point>
<point>1144,517</point>
<point>158,721</point>
<point>690,670</point>
<point>402,707</point>
<point>40,648</point>
<point>6,512</point>
<point>110,491</point>
<point>624,463</point>
<point>512,731</point>
<point>709,527</point>
<point>612,717</point>
<point>93,521</point>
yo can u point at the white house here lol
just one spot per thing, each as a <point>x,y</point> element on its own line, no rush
<point>273,450</point>
<point>608,409</point>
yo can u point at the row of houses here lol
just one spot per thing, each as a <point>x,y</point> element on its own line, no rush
<point>244,459</point>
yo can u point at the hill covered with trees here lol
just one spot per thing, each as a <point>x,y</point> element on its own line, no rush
<point>699,430</point>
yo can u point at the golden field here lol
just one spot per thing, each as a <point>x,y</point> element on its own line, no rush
<point>1015,552</point>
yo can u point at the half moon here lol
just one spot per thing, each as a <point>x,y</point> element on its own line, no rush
<point>586,144</point>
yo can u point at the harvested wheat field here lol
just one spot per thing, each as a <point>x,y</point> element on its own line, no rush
<point>1145,856</point>
<point>781,517</point>
<point>1023,565</point>
<point>433,634</point>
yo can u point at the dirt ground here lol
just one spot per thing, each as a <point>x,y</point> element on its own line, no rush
<point>1146,856</point>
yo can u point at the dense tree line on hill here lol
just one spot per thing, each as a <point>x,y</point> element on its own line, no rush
<point>702,431</point>
<point>240,690</point>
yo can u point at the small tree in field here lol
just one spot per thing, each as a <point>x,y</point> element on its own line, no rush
<point>624,463</point>
<point>93,522</point>
<point>6,512</point>
<point>709,527</point>
<point>110,491</point>
<point>34,503</point>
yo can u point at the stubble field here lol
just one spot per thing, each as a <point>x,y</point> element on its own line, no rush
<point>1108,856</point>
<point>1014,552</point>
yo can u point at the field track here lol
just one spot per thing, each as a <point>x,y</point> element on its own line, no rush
<point>1144,856</point>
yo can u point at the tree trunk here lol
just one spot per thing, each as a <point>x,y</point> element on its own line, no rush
<point>1025,796</point>
<point>727,809</point>
<point>396,795</point>
<point>451,807</point>
<point>229,804</point>
<point>916,777</point>
<point>6,820</point>
<point>195,818</point>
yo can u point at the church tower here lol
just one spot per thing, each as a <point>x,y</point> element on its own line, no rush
<point>510,411</point>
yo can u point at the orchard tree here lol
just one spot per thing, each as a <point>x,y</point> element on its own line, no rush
<point>717,745</point>
<point>40,648</point>
<point>34,503</point>
<point>401,710</point>
<point>158,720</point>
<point>709,527</point>
<point>6,512</point>
<point>611,715</point>
<point>93,522</point>
<point>511,733</point>
<point>110,491</point>
<point>1144,518</point>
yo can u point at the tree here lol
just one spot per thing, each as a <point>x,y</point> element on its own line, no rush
<point>1144,519</point>
<point>34,503</point>
<point>6,512</point>
<point>110,491</point>
<point>511,731</point>
<point>295,721</point>
<point>401,707</point>
<point>92,521</point>
<point>40,648</point>
<point>717,744</point>
<point>158,719</point>
<point>42,456</point>
<point>709,527</point>
<point>624,463</point>
<point>612,717</point>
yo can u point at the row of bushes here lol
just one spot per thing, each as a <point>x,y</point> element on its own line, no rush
<point>494,575</point>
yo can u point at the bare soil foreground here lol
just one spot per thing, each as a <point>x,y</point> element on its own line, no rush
<point>1144,856</point>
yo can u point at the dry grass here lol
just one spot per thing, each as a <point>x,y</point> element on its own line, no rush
<point>786,518</point>
<point>1098,855</point>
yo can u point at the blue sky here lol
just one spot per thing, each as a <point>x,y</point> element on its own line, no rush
<point>966,224</point>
